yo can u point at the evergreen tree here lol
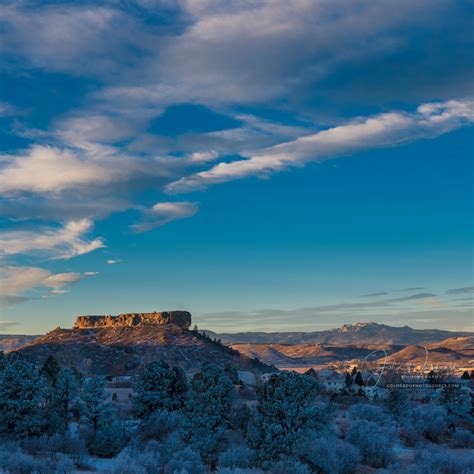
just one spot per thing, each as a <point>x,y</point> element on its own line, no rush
<point>465,375</point>
<point>111,435</point>
<point>208,411</point>
<point>286,411</point>
<point>22,399</point>
<point>348,380</point>
<point>63,394</point>
<point>457,402</point>
<point>3,360</point>
<point>233,374</point>
<point>50,370</point>
<point>93,402</point>
<point>397,403</point>
<point>159,387</point>
<point>359,379</point>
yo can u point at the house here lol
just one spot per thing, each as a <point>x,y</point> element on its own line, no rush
<point>264,378</point>
<point>335,383</point>
<point>376,393</point>
<point>247,377</point>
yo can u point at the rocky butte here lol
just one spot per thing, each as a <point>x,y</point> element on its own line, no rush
<point>181,319</point>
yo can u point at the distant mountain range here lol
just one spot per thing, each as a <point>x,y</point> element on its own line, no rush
<point>349,334</point>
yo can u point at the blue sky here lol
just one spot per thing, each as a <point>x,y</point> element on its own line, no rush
<point>265,165</point>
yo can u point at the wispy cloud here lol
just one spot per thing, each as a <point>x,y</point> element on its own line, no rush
<point>164,213</point>
<point>384,130</point>
<point>59,243</point>
<point>373,295</point>
<point>459,291</point>
<point>415,288</point>
<point>6,325</point>
<point>16,282</point>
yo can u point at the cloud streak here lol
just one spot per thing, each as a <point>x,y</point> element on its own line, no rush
<point>380,131</point>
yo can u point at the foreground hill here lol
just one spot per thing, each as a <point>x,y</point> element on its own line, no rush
<point>349,334</point>
<point>121,349</point>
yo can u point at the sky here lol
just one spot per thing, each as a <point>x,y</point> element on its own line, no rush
<point>271,166</point>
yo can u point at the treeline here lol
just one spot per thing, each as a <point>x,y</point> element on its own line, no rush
<point>203,425</point>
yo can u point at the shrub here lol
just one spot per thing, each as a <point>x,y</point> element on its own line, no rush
<point>238,470</point>
<point>159,425</point>
<point>134,461</point>
<point>288,465</point>
<point>462,438</point>
<point>237,456</point>
<point>374,442</point>
<point>13,460</point>
<point>425,421</point>
<point>186,461</point>
<point>68,443</point>
<point>329,455</point>
<point>366,411</point>
<point>437,460</point>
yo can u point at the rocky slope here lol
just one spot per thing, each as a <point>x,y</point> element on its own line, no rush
<point>121,349</point>
<point>349,334</point>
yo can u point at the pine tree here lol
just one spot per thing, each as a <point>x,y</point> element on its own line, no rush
<point>22,399</point>
<point>208,411</point>
<point>397,403</point>
<point>93,402</point>
<point>110,436</point>
<point>63,394</point>
<point>50,370</point>
<point>286,411</point>
<point>465,375</point>
<point>159,387</point>
<point>359,380</point>
<point>457,402</point>
<point>348,380</point>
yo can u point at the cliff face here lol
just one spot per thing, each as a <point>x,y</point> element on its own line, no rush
<point>178,318</point>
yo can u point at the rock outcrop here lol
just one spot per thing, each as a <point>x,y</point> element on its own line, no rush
<point>181,319</point>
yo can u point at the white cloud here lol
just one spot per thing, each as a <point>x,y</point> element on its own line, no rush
<point>59,243</point>
<point>15,281</point>
<point>389,129</point>
<point>165,212</point>
<point>113,262</point>
<point>48,169</point>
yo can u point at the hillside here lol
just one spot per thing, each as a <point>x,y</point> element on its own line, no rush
<point>295,355</point>
<point>122,349</point>
<point>348,334</point>
<point>457,351</point>
<point>10,342</point>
